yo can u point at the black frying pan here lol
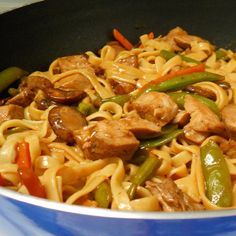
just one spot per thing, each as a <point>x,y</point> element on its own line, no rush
<point>33,36</point>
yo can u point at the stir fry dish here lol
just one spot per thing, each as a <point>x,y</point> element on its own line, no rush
<point>149,126</point>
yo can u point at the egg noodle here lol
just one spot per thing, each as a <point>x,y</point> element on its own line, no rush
<point>64,170</point>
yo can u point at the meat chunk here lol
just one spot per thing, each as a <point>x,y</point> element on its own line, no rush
<point>24,98</point>
<point>8,112</point>
<point>64,120</point>
<point>37,82</point>
<point>156,107</point>
<point>107,139</point>
<point>179,39</point>
<point>182,118</point>
<point>229,119</point>
<point>229,148</point>
<point>141,128</point>
<point>131,60</point>
<point>203,120</point>
<point>121,87</point>
<point>75,82</point>
<point>170,197</point>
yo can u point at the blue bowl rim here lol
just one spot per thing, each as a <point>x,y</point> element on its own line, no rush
<point>99,212</point>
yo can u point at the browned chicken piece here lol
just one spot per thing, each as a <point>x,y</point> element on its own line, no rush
<point>229,119</point>
<point>131,60</point>
<point>203,119</point>
<point>37,82</point>
<point>74,62</point>
<point>156,107</point>
<point>64,120</point>
<point>229,148</point>
<point>141,128</point>
<point>121,87</point>
<point>24,98</point>
<point>106,139</point>
<point>182,118</point>
<point>75,82</point>
<point>170,197</point>
<point>8,112</point>
<point>180,39</point>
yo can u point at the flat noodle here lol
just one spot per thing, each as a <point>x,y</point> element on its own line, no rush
<point>72,173</point>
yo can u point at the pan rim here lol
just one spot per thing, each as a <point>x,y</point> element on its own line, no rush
<point>107,213</point>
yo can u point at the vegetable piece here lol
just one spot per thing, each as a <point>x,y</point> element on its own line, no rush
<point>32,182</point>
<point>156,142</point>
<point>23,159</point>
<point>27,175</point>
<point>216,174</point>
<point>86,108</point>
<point>220,54</point>
<point>179,98</point>
<point>150,36</point>
<point>2,181</point>
<point>119,99</point>
<point>189,70</point>
<point>9,76</point>
<point>122,39</point>
<point>103,195</point>
<point>167,55</point>
<point>180,82</point>
<point>122,99</point>
<point>144,172</point>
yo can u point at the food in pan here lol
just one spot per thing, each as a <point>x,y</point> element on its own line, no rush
<point>145,127</point>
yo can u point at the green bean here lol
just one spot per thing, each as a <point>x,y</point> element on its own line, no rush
<point>220,54</point>
<point>119,99</point>
<point>216,174</point>
<point>167,55</point>
<point>179,99</point>
<point>103,195</point>
<point>180,82</point>
<point>9,76</point>
<point>156,142</point>
<point>143,173</point>
<point>86,108</point>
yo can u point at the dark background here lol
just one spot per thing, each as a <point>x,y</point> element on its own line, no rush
<point>31,37</point>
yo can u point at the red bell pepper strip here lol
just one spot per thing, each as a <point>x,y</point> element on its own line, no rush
<point>122,39</point>
<point>23,159</point>
<point>2,181</point>
<point>32,182</point>
<point>25,170</point>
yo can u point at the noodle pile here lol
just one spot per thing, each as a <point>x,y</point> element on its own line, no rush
<point>65,172</point>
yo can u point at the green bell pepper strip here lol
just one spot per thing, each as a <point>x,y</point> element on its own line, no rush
<point>156,142</point>
<point>167,55</point>
<point>9,76</point>
<point>143,173</point>
<point>180,82</point>
<point>220,54</point>
<point>119,99</point>
<point>103,195</point>
<point>179,98</point>
<point>141,155</point>
<point>86,108</point>
<point>216,174</point>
